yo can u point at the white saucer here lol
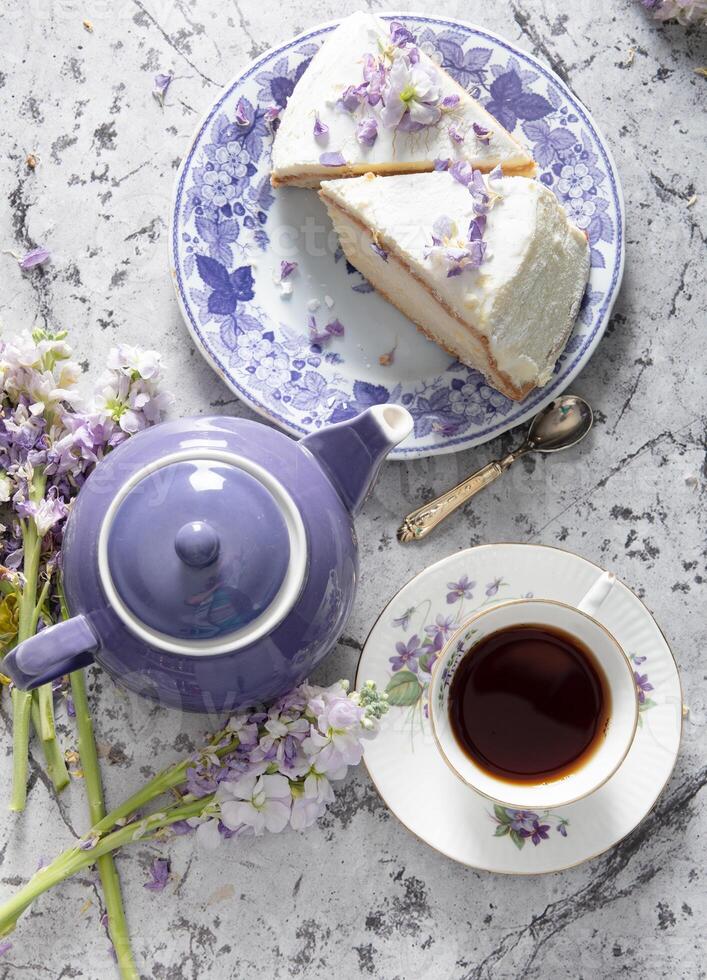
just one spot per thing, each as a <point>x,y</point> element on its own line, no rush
<point>411,775</point>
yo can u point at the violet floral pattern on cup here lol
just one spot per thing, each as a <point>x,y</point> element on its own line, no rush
<point>426,628</point>
<point>521,826</point>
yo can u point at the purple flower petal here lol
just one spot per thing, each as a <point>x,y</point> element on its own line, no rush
<point>286,269</point>
<point>36,256</point>
<point>367,131</point>
<point>332,159</point>
<point>400,35</point>
<point>482,135</point>
<point>455,134</point>
<point>320,131</point>
<point>440,164</point>
<point>5,946</point>
<point>450,101</point>
<point>161,84</point>
<point>379,251</point>
<point>462,172</point>
<point>335,328</point>
<point>159,875</point>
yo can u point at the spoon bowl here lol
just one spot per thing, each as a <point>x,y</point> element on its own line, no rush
<point>561,424</point>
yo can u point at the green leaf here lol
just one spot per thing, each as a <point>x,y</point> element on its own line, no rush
<point>500,814</point>
<point>517,839</point>
<point>648,703</point>
<point>403,689</point>
<point>501,830</point>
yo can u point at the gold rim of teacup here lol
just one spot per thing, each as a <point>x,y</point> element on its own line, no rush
<point>479,614</point>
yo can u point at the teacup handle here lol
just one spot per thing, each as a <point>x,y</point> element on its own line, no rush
<point>593,599</point>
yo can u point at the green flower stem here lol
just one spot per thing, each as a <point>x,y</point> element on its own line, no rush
<point>22,700</point>
<point>162,783</point>
<point>117,925</point>
<point>21,707</point>
<point>45,701</point>
<point>74,860</point>
<point>53,756</point>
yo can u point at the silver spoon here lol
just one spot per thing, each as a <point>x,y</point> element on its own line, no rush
<point>561,424</point>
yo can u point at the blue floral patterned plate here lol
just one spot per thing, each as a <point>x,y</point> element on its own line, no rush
<point>406,765</point>
<point>231,231</point>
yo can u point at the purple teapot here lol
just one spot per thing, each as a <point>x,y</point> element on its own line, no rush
<point>211,563</point>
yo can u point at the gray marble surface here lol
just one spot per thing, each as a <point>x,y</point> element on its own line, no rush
<point>357,895</point>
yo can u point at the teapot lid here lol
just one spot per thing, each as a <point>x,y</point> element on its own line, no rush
<point>202,552</point>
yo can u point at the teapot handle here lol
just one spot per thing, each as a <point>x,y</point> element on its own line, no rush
<point>53,652</point>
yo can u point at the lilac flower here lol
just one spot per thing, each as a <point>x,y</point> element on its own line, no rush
<point>643,686</point>
<point>257,802</point>
<point>463,589</point>
<point>483,135</point>
<point>400,35</point>
<point>537,833</point>
<point>161,84</point>
<point>320,131</point>
<point>411,96</point>
<point>36,256</point>
<point>375,74</point>
<point>452,251</point>
<point>639,660</point>
<point>404,620</point>
<point>367,131</point>
<point>493,587</point>
<point>159,875</point>
<point>286,269</point>
<point>332,159</point>
<point>450,101</point>
<point>242,116</point>
<point>441,164</point>
<point>353,96</point>
<point>407,655</point>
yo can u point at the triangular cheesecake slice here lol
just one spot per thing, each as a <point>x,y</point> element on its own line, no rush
<point>488,267</point>
<point>371,100</point>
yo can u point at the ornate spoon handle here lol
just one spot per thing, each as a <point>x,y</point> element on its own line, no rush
<point>420,522</point>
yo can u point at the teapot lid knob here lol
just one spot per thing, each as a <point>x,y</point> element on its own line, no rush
<point>197,544</point>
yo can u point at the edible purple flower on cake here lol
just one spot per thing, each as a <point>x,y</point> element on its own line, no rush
<point>453,251</point>
<point>455,134</point>
<point>332,159</point>
<point>411,96</point>
<point>367,131</point>
<point>400,36</point>
<point>380,252</point>
<point>374,74</point>
<point>483,135</point>
<point>450,102</point>
<point>320,131</point>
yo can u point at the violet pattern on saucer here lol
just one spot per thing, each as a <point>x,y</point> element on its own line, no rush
<point>274,350</point>
<point>406,765</point>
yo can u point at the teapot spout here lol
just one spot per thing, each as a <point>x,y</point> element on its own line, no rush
<point>52,653</point>
<point>351,452</point>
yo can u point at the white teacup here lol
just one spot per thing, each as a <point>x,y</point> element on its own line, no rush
<point>617,735</point>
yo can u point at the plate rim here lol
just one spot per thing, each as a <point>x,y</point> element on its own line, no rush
<point>661,790</point>
<point>452,444</point>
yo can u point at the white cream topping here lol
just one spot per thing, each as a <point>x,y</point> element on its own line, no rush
<point>526,293</point>
<point>339,64</point>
